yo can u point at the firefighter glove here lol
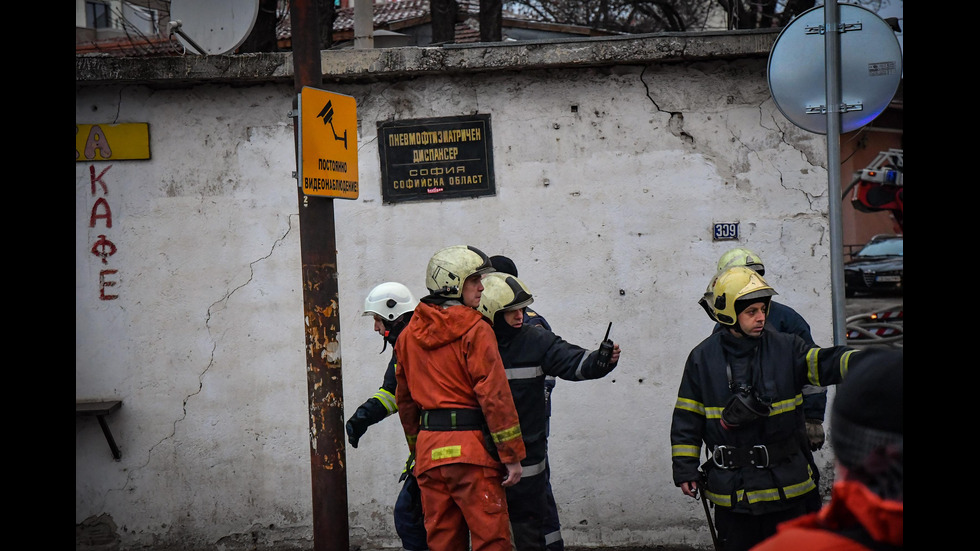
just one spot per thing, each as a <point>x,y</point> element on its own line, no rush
<point>814,432</point>
<point>356,426</point>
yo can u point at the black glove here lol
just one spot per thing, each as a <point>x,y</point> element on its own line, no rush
<point>409,467</point>
<point>356,426</point>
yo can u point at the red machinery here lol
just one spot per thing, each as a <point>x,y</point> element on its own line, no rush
<point>879,186</point>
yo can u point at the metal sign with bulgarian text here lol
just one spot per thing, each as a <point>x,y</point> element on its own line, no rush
<point>437,158</point>
<point>328,144</point>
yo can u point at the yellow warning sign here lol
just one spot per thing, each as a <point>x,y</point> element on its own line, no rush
<point>112,142</point>
<point>328,144</point>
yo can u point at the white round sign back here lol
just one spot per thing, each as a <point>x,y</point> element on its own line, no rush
<point>870,68</point>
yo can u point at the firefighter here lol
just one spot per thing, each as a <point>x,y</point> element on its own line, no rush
<point>457,409</point>
<point>391,305</point>
<point>552,523</point>
<point>529,355</point>
<point>741,396</point>
<point>785,319</point>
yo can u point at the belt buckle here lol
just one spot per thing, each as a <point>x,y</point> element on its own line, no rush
<point>718,456</point>
<point>764,451</point>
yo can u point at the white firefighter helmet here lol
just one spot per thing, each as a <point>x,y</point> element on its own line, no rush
<point>502,293</point>
<point>736,284</point>
<point>389,300</point>
<point>450,267</point>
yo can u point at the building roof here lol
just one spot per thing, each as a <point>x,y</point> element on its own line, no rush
<point>132,46</point>
<point>395,12</point>
<point>392,16</point>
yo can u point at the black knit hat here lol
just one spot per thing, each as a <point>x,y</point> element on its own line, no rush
<point>504,264</point>
<point>867,421</point>
<point>746,301</point>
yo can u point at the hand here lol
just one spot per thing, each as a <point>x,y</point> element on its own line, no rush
<point>409,467</point>
<point>614,359</point>
<point>514,471</point>
<point>690,489</point>
<point>814,432</point>
<point>355,430</point>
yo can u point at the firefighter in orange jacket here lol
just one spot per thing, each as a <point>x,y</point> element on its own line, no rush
<point>457,410</point>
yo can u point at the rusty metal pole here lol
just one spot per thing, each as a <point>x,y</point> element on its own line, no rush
<point>321,315</point>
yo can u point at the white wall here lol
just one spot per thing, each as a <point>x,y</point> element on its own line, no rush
<point>607,213</point>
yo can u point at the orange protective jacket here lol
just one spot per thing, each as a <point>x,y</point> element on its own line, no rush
<point>852,508</point>
<point>448,359</point>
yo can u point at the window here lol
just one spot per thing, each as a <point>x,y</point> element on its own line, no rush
<point>142,19</point>
<point>97,15</point>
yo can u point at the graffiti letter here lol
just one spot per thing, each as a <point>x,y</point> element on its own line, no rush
<point>108,248</point>
<point>107,215</point>
<point>97,142</point>
<point>93,178</point>
<point>103,283</point>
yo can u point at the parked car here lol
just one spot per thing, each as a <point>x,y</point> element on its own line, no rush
<point>878,268</point>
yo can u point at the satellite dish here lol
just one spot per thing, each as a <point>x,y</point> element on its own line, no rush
<point>870,68</point>
<point>213,27</point>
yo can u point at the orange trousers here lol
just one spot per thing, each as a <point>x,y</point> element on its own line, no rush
<point>461,501</point>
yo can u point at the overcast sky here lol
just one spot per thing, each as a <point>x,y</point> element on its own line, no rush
<point>895,9</point>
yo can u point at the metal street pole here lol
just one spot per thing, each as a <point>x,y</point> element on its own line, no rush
<point>321,314</point>
<point>833,86</point>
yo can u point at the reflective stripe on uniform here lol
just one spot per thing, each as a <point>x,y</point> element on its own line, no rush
<point>533,470</point>
<point>506,435</point>
<point>690,405</point>
<point>786,406</point>
<point>552,537</point>
<point>717,499</point>
<point>796,490</point>
<point>447,452</point>
<point>387,399</point>
<point>845,363</point>
<point>581,366</point>
<point>685,450</point>
<point>758,496</point>
<point>524,372</point>
<point>812,365</point>
<point>812,373</point>
<point>768,494</point>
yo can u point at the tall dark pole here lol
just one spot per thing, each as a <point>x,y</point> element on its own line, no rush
<point>321,315</point>
<point>833,91</point>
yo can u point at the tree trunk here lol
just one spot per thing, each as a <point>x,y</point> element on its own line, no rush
<point>491,20</point>
<point>264,37</point>
<point>327,14</point>
<point>443,21</point>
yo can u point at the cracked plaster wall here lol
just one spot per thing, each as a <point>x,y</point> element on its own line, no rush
<point>608,182</point>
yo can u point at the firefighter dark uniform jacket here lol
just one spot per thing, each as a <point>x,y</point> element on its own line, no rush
<point>529,355</point>
<point>382,403</point>
<point>786,320</point>
<point>761,465</point>
<point>448,361</point>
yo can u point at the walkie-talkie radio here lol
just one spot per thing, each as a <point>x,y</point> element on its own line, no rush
<point>605,350</point>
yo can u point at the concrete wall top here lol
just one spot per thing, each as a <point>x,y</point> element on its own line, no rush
<point>351,65</point>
